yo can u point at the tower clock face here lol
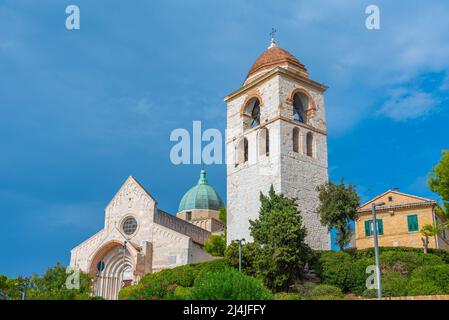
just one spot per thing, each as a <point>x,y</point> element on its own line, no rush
<point>129,226</point>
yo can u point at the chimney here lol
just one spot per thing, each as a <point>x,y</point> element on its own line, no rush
<point>396,189</point>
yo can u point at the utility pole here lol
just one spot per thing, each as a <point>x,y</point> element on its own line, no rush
<point>376,249</point>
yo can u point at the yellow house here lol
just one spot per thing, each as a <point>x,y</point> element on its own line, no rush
<point>399,222</point>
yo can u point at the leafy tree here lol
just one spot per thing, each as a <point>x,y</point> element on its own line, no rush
<point>280,234</point>
<point>52,285</point>
<point>222,216</point>
<point>216,245</point>
<point>439,182</point>
<point>338,207</point>
<point>427,231</point>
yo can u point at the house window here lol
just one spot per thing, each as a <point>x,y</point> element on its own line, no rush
<point>412,222</point>
<point>390,199</point>
<point>369,231</point>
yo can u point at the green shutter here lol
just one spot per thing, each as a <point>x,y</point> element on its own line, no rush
<point>380,226</point>
<point>412,222</point>
<point>367,228</point>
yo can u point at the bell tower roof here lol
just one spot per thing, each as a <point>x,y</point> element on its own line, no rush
<point>275,57</point>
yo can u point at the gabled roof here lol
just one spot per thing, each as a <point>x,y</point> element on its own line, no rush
<point>132,180</point>
<point>413,198</point>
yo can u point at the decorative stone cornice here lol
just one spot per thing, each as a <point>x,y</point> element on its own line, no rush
<point>267,76</point>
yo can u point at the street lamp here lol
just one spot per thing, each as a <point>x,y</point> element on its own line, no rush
<point>376,249</point>
<point>240,241</point>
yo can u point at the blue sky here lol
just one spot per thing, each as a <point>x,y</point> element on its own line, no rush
<point>82,110</point>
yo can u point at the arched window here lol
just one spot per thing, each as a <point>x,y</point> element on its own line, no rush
<point>264,142</point>
<point>241,152</point>
<point>245,151</point>
<point>309,143</point>
<point>295,138</point>
<point>300,104</point>
<point>251,114</point>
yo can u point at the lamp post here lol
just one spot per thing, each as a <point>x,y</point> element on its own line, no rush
<point>240,253</point>
<point>376,249</point>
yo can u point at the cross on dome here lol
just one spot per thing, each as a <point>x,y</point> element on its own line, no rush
<point>273,40</point>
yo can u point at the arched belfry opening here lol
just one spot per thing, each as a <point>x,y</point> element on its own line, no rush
<point>251,114</point>
<point>300,107</point>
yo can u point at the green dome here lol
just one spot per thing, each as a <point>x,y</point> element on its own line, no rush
<point>201,196</point>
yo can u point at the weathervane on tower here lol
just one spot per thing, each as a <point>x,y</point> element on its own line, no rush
<point>273,40</point>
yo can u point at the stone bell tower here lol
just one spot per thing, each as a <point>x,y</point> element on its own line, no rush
<point>276,135</point>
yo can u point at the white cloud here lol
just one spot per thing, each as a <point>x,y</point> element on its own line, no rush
<point>405,105</point>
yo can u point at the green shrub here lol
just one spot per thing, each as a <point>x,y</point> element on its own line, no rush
<point>394,284</point>
<point>327,291</point>
<point>304,289</point>
<point>125,293</point>
<point>205,268</point>
<point>429,280</point>
<point>357,276</point>
<point>424,289</point>
<point>405,262</point>
<point>442,253</point>
<point>157,289</point>
<point>229,285</point>
<point>249,254</point>
<point>286,296</point>
<point>216,245</point>
<point>326,298</point>
<point>182,276</point>
<point>182,293</point>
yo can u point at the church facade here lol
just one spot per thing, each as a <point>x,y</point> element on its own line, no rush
<point>276,135</point>
<point>139,238</point>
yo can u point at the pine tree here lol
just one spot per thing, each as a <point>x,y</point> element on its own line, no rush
<point>280,234</point>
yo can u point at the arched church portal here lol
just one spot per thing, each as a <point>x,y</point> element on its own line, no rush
<point>113,269</point>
